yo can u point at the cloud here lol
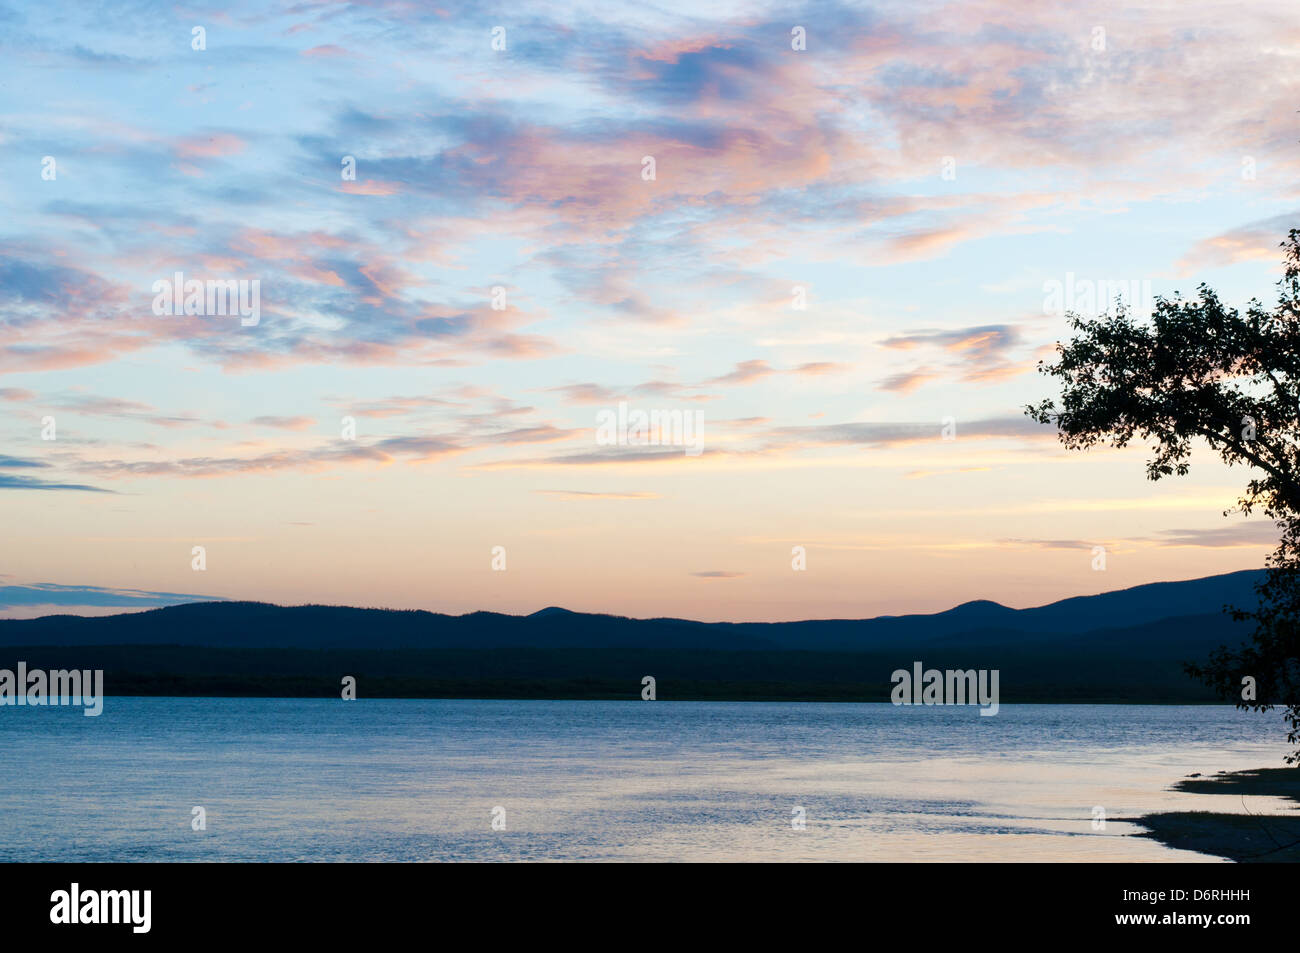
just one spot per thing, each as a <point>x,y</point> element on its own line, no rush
<point>588,394</point>
<point>758,151</point>
<point>1049,543</point>
<point>907,381</point>
<point>785,440</point>
<point>1258,241</point>
<point>541,434</point>
<point>285,423</point>
<point>612,456</point>
<point>213,146</point>
<point>884,434</point>
<point>11,482</point>
<point>96,406</point>
<point>746,372</point>
<point>983,342</point>
<point>15,463</point>
<point>48,593</point>
<point>982,352</point>
<point>818,368</point>
<point>398,406</point>
<point>599,394</point>
<point>1259,533</point>
<point>1222,537</point>
<point>371,187</point>
<point>415,449</point>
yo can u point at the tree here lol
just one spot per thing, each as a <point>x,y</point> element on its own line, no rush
<point>1200,370</point>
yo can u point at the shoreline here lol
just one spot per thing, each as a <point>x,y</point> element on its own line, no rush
<point>1240,837</point>
<point>233,688</point>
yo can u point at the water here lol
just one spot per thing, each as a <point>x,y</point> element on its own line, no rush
<point>417,780</point>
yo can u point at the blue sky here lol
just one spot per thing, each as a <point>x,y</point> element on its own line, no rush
<point>918,170</point>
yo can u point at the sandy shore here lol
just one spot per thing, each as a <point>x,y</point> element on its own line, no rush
<point>1253,837</point>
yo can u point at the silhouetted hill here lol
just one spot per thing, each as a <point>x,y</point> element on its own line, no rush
<point>1183,615</point>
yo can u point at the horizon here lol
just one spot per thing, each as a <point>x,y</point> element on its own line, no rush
<point>456,282</point>
<point>105,611</point>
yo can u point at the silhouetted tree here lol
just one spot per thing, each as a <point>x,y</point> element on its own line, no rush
<point>1199,369</point>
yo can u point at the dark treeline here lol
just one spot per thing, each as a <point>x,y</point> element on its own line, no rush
<point>1033,676</point>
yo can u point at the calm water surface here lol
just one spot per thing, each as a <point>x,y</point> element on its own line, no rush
<point>417,780</point>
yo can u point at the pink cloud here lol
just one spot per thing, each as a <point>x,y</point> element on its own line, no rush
<point>208,147</point>
<point>326,50</point>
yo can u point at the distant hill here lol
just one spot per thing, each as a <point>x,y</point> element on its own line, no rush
<point>1127,645</point>
<point>1197,602</point>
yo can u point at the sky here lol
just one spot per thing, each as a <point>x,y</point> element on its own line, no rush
<point>474,240</point>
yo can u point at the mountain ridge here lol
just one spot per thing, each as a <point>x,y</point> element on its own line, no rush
<point>249,624</point>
